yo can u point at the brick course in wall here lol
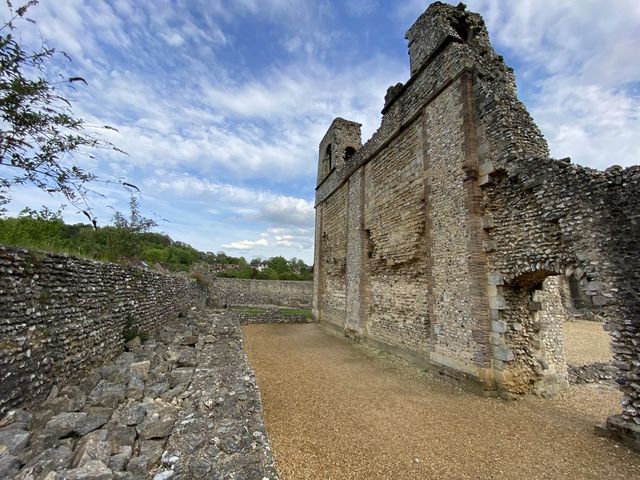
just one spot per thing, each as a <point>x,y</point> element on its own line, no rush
<point>61,316</point>
<point>459,235</point>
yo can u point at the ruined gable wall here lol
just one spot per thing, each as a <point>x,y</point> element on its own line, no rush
<point>61,316</point>
<point>553,218</point>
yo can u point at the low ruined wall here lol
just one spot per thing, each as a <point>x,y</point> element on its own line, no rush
<point>60,316</point>
<point>240,291</point>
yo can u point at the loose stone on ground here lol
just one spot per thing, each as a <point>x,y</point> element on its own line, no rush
<point>182,405</point>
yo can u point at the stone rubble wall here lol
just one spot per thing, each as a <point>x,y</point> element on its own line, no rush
<point>228,292</point>
<point>60,316</point>
<point>182,404</point>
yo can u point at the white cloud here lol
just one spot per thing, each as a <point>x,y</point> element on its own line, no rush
<point>360,8</point>
<point>246,244</point>
<point>252,205</point>
<point>173,38</point>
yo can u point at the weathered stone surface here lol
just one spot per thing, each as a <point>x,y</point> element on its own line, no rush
<point>80,325</point>
<point>135,388</point>
<point>213,412</point>
<point>93,446</point>
<point>139,466</point>
<point>107,394</point>
<point>120,435</point>
<point>51,460</point>
<point>140,369</point>
<point>180,376</point>
<point>158,421</point>
<point>132,414</point>
<point>65,423</point>
<point>92,470</point>
<point>152,449</point>
<point>133,344</point>
<point>156,390</point>
<point>187,358</point>
<point>225,292</point>
<point>96,418</point>
<point>13,440</point>
<point>118,462</point>
<point>18,417</point>
<point>9,465</point>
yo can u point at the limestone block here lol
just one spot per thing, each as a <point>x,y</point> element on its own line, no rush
<point>503,353</point>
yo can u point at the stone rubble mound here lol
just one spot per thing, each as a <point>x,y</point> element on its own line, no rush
<point>182,405</point>
<point>597,372</point>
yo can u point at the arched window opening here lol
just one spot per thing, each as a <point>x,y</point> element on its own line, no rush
<point>329,157</point>
<point>348,153</point>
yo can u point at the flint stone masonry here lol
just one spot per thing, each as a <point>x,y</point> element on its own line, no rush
<point>451,238</point>
<point>227,292</point>
<point>61,316</point>
<point>150,414</point>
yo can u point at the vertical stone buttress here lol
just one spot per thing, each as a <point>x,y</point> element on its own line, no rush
<point>356,251</point>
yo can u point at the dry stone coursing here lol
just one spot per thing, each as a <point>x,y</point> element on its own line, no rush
<point>181,405</point>
<point>61,316</point>
<point>450,236</point>
<point>227,292</point>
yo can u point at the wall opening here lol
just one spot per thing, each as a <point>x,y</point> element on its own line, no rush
<point>565,346</point>
<point>329,157</point>
<point>349,152</point>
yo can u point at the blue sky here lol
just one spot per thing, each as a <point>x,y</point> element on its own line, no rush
<point>221,104</point>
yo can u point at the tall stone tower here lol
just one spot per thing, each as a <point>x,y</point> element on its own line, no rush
<point>338,146</point>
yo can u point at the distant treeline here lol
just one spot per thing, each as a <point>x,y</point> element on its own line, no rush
<point>45,230</point>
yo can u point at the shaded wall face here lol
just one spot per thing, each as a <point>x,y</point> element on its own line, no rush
<point>62,316</point>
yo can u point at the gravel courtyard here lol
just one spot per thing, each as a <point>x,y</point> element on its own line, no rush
<point>336,410</point>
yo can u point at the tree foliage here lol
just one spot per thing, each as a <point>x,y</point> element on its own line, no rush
<point>45,230</point>
<point>40,138</point>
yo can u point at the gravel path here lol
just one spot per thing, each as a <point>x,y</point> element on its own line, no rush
<point>586,342</point>
<point>335,410</point>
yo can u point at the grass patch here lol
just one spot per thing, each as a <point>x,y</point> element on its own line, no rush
<point>249,310</point>
<point>295,311</point>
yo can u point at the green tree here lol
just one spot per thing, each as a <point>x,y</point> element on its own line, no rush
<point>39,135</point>
<point>125,237</point>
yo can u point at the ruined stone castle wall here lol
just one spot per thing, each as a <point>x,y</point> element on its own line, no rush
<point>459,235</point>
<point>61,316</point>
<point>227,292</point>
<point>395,237</point>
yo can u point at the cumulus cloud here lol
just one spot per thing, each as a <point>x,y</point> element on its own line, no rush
<point>253,205</point>
<point>246,244</point>
<point>281,241</point>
